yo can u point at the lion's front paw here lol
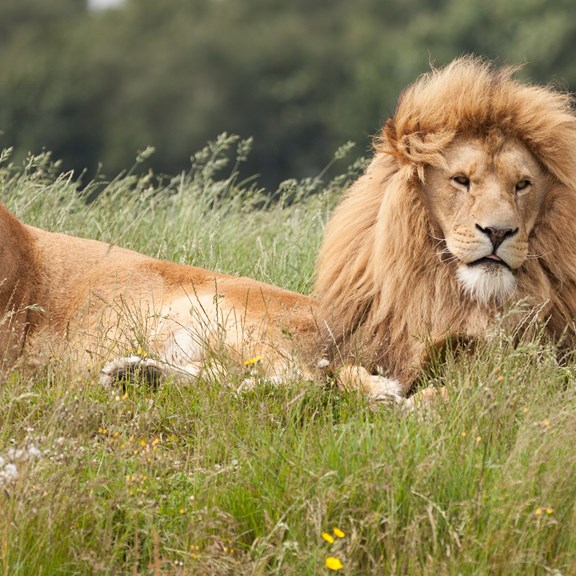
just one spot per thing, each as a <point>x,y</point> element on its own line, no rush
<point>131,368</point>
<point>378,388</point>
<point>386,390</point>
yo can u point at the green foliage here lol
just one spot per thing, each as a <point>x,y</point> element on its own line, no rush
<point>279,239</point>
<point>195,478</point>
<point>300,77</point>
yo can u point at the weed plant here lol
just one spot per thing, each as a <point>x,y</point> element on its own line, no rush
<point>194,478</point>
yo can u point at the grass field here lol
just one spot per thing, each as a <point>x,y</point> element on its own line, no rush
<point>195,478</point>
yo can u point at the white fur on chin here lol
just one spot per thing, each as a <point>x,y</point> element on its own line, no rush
<point>487,283</point>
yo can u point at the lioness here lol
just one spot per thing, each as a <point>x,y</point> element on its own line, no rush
<point>104,301</point>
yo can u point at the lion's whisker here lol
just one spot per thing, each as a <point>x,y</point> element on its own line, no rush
<point>539,255</point>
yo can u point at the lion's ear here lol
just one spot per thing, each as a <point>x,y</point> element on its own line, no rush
<point>387,142</point>
<point>388,135</point>
<point>417,149</point>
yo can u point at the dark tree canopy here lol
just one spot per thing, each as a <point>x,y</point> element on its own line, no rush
<point>300,77</point>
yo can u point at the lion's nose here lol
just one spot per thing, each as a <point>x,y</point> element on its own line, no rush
<point>497,235</point>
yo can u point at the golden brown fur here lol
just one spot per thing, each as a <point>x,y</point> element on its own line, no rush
<point>386,283</point>
<point>96,302</point>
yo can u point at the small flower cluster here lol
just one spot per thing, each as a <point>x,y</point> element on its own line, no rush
<point>474,434</point>
<point>253,369</point>
<point>146,448</point>
<point>194,551</point>
<point>9,462</point>
<point>136,484</point>
<point>545,516</point>
<point>333,562</point>
<point>253,361</point>
<point>8,472</point>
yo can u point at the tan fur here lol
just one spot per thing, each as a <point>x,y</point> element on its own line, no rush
<point>387,283</point>
<point>103,301</point>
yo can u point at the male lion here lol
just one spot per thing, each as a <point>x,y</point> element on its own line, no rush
<point>468,206</point>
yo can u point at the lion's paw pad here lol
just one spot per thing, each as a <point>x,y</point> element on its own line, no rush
<point>133,367</point>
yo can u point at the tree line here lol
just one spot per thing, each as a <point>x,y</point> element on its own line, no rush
<point>301,77</point>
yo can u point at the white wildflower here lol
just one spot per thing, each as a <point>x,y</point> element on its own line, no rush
<point>33,452</point>
<point>14,453</point>
<point>8,474</point>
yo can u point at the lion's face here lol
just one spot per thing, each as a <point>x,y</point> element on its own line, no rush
<point>484,203</point>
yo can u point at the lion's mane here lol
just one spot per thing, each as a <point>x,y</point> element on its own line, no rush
<point>380,282</point>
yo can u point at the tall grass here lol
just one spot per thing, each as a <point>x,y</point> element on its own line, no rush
<point>194,478</point>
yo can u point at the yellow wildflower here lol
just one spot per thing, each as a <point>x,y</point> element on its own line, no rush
<point>328,537</point>
<point>549,511</point>
<point>333,563</point>
<point>538,511</point>
<point>338,533</point>
<point>253,361</point>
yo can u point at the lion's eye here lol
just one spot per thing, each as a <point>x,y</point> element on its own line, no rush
<point>522,185</point>
<point>462,180</point>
